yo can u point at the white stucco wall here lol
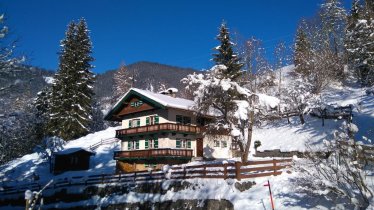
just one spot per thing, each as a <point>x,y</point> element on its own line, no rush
<point>210,151</point>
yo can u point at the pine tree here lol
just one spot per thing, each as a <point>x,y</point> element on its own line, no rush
<point>71,96</point>
<point>333,17</point>
<point>359,42</point>
<point>226,55</point>
<point>302,55</point>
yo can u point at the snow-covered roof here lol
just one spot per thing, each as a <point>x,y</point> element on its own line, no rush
<point>167,101</point>
<point>162,99</point>
<point>72,150</point>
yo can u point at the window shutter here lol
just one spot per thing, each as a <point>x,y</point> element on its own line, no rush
<point>178,143</point>
<point>137,144</point>
<point>157,119</point>
<point>147,121</point>
<point>129,145</point>
<point>189,144</point>
<point>146,144</point>
<point>138,123</point>
<point>156,143</point>
<point>129,123</point>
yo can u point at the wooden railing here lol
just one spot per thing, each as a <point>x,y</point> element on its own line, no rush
<point>159,127</point>
<point>102,142</point>
<point>237,170</point>
<point>162,152</point>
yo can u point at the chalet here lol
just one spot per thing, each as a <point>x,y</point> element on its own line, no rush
<point>159,128</point>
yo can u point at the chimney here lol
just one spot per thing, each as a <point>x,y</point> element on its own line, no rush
<point>170,92</point>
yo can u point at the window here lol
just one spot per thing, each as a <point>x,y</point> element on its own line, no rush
<point>134,123</point>
<point>234,145</point>
<point>133,145</point>
<point>179,119</point>
<point>183,119</point>
<point>151,143</point>
<point>73,160</point>
<point>136,103</point>
<point>152,120</point>
<point>223,144</point>
<point>216,143</point>
<point>183,143</point>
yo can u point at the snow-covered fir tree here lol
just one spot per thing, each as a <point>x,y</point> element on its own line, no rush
<point>218,91</point>
<point>42,107</point>
<point>302,54</point>
<point>226,56</point>
<point>71,95</point>
<point>359,42</point>
<point>334,17</point>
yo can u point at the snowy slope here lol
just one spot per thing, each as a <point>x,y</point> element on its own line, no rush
<point>22,169</point>
<point>294,136</point>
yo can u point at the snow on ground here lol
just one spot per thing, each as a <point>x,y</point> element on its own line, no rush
<point>24,168</point>
<point>363,112</point>
<point>285,190</point>
<point>294,136</point>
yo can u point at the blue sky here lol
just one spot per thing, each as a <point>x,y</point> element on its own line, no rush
<point>176,32</point>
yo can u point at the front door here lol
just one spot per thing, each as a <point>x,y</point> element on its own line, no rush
<point>199,147</point>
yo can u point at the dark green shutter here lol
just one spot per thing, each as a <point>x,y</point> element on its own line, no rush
<point>146,144</point>
<point>155,143</point>
<point>178,143</point>
<point>128,145</point>
<point>157,119</point>
<point>129,123</point>
<point>138,123</point>
<point>189,144</point>
<point>137,144</point>
<point>147,121</point>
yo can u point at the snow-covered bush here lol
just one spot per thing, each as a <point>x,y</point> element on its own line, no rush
<point>51,145</point>
<point>298,97</point>
<point>339,172</point>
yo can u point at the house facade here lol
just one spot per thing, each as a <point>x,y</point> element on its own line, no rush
<point>159,129</point>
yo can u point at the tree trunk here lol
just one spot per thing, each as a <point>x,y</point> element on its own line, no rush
<point>248,145</point>
<point>302,119</point>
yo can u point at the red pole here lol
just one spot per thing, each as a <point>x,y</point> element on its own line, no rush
<point>271,196</point>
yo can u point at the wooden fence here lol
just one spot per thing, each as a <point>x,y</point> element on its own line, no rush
<point>237,170</point>
<point>102,142</point>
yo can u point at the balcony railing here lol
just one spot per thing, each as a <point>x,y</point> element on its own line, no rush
<point>149,153</point>
<point>159,127</point>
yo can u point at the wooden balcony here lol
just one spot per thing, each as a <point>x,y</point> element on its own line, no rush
<point>170,127</point>
<point>153,153</point>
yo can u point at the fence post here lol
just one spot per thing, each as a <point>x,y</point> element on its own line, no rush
<point>225,171</point>
<point>237,170</point>
<point>119,177</point>
<point>204,172</point>
<point>184,172</point>
<point>274,166</point>
<point>102,179</point>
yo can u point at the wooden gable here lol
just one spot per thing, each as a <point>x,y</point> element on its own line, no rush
<point>135,105</point>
